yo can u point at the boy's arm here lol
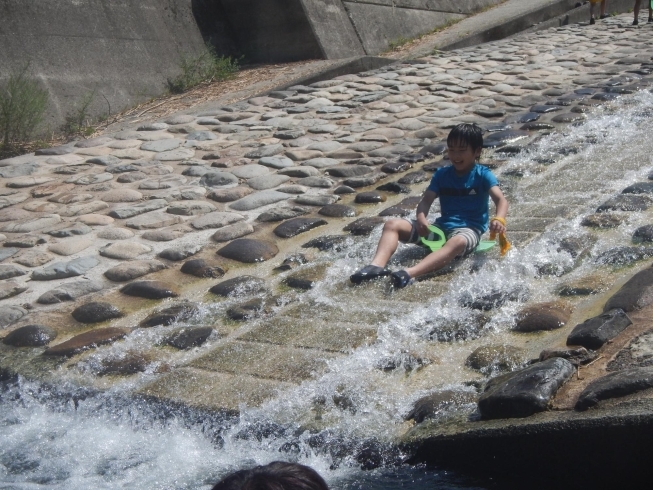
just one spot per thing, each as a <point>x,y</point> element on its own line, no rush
<point>501,204</point>
<point>422,212</point>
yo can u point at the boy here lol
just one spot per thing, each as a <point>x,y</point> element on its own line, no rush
<point>594,2</point>
<point>463,189</point>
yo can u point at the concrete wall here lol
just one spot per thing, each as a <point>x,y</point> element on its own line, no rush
<point>124,50</point>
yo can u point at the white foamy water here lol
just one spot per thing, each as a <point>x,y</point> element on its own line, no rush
<point>350,415</point>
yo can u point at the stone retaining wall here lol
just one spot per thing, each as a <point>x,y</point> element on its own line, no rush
<point>122,50</point>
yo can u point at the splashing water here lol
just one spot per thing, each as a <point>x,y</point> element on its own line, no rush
<point>347,418</point>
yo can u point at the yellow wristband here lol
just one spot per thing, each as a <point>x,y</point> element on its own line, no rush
<point>500,220</point>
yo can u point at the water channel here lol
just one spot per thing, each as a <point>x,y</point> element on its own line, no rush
<point>347,418</point>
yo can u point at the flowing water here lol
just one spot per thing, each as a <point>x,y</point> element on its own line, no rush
<point>343,422</point>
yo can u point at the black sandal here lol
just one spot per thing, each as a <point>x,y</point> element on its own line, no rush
<point>368,273</point>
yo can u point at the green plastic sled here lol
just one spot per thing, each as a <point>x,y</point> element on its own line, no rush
<point>439,240</point>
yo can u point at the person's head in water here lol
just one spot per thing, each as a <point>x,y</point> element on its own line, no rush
<point>464,146</point>
<point>274,476</point>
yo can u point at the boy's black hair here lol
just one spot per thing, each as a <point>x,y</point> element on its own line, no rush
<point>277,475</point>
<point>467,133</point>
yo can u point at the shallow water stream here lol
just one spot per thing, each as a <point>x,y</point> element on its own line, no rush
<point>348,417</point>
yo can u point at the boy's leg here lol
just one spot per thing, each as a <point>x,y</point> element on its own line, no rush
<point>650,12</point>
<point>438,259</point>
<point>603,9</point>
<point>394,230</point>
<point>636,11</point>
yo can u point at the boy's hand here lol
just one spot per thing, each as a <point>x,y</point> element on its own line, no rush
<point>422,226</point>
<point>497,227</point>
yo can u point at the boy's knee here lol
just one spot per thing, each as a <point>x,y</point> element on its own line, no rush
<point>458,244</point>
<point>394,224</point>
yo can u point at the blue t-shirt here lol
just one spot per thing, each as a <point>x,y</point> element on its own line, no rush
<point>463,200</point>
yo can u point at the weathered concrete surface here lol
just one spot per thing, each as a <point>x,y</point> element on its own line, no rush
<point>121,51</point>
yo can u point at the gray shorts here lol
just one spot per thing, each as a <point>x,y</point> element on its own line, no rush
<point>471,236</point>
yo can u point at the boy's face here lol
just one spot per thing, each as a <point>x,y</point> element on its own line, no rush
<point>462,157</point>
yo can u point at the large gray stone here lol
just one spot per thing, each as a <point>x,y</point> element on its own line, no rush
<point>133,269</point>
<point>229,195</point>
<point>188,337</point>
<point>217,219</point>
<point>595,332</point>
<point>524,392</point>
<point>348,171</point>
<point>238,286</point>
<point>321,162</point>
<point>150,290</point>
<point>635,294</point>
<point>10,315</point>
<point>613,385</point>
<point>626,202</point>
<point>162,145</point>
<point>153,221</point>
<point>86,341</point>
<point>71,230</point>
<point>170,315</point>
<point>96,312</point>
<point>69,292</point>
<point>231,232</point>
<point>34,224</point>
<point>249,251</point>
<point>276,162</point>
<point>190,208</point>
<point>249,171</point>
<point>267,181</point>
<point>30,336</point>
<point>115,234</point>
<point>299,172</point>
<point>218,179</point>
<point>180,252</point>
<point>265,151</point>
<point>136,209</point>
<point>317,200</point>
<point>201,268</point>
<point>70,246</point>
<point>9,289</point>
<point>124,250</point>
<point>295,226</point>
<point>259,199</point>
<point>61,270</point>
<point>8,271</point>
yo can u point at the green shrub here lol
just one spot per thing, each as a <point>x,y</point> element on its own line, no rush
<point>78,121</point>
<point>22,106</point>
<point>205,67</point>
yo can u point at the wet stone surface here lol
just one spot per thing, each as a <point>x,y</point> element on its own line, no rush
<point>295,226</point>
<point>85,341</point>
<point>96,312</point>
<point>188,186</point>
<point>30,336</point>
<point>617,384</point>
<point>524,392</point>
<point>595,332</point>
<point>249,251</point>
<point>150,290</point>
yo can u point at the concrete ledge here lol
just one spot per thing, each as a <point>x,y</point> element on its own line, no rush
<point>600,448</point>
<point>513,26</point>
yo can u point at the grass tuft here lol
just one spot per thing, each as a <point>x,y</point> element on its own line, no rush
<point>204,68</point>
<point>22,108</point>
